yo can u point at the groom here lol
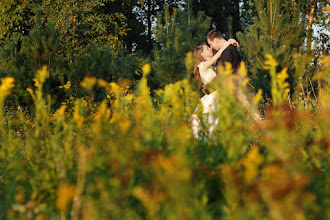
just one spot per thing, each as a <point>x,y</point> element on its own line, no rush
<point>230,54</point>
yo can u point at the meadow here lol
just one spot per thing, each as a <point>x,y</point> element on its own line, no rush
<point>133,155</point>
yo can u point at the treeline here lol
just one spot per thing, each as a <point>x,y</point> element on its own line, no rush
<point>113,39</point>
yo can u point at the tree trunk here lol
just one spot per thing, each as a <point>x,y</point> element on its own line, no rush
<point>310,27</point>
<point>237,23</point>
<point>149,20</point>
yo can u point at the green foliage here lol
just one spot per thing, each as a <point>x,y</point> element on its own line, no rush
<point>144,13</point>
<point>133,157</point>
<point>83,22</point>
<point>105,63</point>
<point>176,34</point>
<point>17,18</point>
<point>99,143</point>
<point>20,58</point>
<point>42,45</point>
<point>78,23</point>
<point>276,31</point>
<point>226,14</point>
<point>317,17</point>
<point>248,13</point>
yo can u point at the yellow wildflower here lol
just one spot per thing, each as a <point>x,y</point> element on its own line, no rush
<point>102,83</point>
<point>65,193</point>
<point>146,69</point>
<point>102,113</point>
<point>76,115</point>
<point>189,61</point>
<point>60,111</point>
<point>88,82</point>
<point>282,76</point>
<point>257,98</point>
<point>151,200</point>
<point>245,82</point>
<point>270,61</point>
<point>114,87</point>
<point>36,82</point>
<point>7,84</point>
<point>124,124</point>
<point>67,85</point>
<point>251,162</point>
<point>243,71</point>
<point>85,103</point>
<point>225,70</point>
<point>42,75</point>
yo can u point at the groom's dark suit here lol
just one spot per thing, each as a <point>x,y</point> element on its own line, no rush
<point>231,55</point>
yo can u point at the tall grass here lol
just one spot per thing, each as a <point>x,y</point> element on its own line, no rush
<point>133,156</point>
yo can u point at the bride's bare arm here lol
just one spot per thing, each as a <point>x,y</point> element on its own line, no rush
<point>233,42</point>
<point>216,56</point>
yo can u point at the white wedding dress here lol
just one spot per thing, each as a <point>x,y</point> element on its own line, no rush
<point>208,103</point>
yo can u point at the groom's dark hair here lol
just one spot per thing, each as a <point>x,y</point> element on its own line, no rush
<point>214,34</point>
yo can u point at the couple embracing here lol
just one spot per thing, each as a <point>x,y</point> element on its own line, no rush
<point>205,72</point>
<point>205,69</point>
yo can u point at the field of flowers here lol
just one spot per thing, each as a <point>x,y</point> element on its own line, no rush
<point>134,156</point>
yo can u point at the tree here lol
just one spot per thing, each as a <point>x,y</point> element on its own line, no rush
<point>78,22</point>
<point>248,12</point>
<point>146,12</point>
<point>135,38</point>
<point>42,44</point>
<point>316,16</point>
<point>278,31</point>
<point>83,22</point>
<point>225,15</point>
<point>41,47</point>
<point>17,17</point>
<point>176,35</point>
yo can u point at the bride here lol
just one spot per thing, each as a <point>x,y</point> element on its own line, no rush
<point>204,71</point>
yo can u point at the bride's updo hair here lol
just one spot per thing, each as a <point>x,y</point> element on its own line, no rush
<point>198,59</point>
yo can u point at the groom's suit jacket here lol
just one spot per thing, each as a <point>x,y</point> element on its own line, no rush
<point>231,55</point>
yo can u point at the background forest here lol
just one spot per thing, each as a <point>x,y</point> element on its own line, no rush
<point>74,39</point>
<point>96,100</point>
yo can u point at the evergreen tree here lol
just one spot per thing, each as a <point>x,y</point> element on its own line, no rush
<point>135,38</point>
<point>276,31</point>
<point>176,35</point>
<point>248,12</point>
<point>225,15</point>
<point>83,22</point>
<point>14,64</point>
<point>78,22</point>
<point>17,17</point>
<point>42,44</point>
<point>103,63</point>
<point>41,47</point>
<point>146,12</point>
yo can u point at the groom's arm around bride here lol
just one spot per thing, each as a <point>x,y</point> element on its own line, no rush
<point>230,55</point>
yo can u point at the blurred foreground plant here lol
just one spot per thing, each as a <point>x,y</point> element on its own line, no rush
<point>133,156</point>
